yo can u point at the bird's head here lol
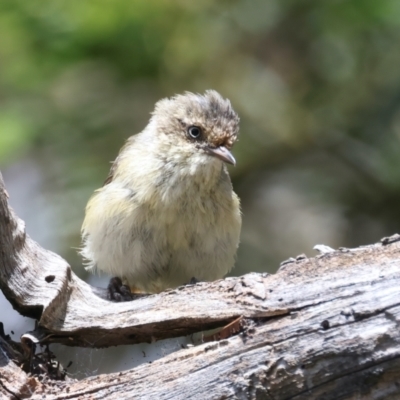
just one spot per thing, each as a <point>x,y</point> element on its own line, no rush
<point>198,126</point>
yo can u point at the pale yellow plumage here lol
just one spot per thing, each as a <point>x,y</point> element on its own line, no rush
<point>168,213</point>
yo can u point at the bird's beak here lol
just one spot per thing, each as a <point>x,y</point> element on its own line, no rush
<point>223,154</point>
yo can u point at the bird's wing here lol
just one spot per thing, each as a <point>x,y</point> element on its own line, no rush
<point>116,162</point>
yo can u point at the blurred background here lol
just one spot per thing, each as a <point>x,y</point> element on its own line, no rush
<point>316,84</point>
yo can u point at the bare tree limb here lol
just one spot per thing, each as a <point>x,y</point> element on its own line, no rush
<point>321,328</point>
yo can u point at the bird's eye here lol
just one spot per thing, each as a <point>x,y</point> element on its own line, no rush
<point>194,132</point>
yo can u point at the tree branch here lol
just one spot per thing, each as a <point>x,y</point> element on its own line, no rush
<point>326,326</point>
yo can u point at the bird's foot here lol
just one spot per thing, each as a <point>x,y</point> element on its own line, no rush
<point>117,291</point>
<point>193,281</point>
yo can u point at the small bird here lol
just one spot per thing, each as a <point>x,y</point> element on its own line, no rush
<point>167,214</point>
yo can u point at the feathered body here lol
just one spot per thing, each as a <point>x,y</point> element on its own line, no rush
<point>167,212</point>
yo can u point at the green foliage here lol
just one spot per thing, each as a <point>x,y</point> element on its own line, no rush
<point>17,133</point>
<point>317,85</point>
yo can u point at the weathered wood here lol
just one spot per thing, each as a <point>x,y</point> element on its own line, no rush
<point>321,328</point>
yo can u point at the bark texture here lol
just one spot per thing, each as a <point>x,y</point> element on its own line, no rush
<point>320,328</point>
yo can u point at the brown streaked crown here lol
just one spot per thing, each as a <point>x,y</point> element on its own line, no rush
<point>174,116</point>
<point>210,112</point>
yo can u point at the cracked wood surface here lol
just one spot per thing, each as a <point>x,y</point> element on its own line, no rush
<point>321,328</point>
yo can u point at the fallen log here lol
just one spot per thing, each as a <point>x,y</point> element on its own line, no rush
<point>320,328</point>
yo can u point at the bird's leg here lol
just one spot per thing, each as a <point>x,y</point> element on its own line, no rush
<point>117,291</point>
